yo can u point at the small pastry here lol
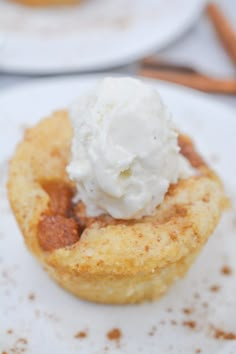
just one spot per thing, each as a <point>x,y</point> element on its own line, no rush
<point>110,198</point>
<point>45,3</point>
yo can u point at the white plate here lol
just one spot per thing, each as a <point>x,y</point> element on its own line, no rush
<point>50,320</point>
<point>96,34</point>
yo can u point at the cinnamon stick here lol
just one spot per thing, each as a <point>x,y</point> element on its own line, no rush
<point>225,32</point>
<point>196,81</point>
<point>154,63</point>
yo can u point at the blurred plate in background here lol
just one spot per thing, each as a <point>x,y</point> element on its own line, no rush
<point>96,34</point>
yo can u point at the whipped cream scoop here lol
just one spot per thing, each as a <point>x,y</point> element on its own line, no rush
<point>124,153</point>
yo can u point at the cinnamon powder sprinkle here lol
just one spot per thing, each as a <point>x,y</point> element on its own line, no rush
<point>9,331</point>
<point>198,350</point>
<point>173,322</point>
<point>188,311</point>
<point>20,346</point>
<point>221,334</point>
<point>22,340</point>
<point>226,270</point>
<point>31,297</point>
<point>190,324</point>
<point>114,334</point>
<point>80,335</point>
<point>215,288</point>
<point>152,331</point>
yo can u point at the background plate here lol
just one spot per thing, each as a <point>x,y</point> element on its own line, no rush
<point>39,317</point>
<point>96,34</point>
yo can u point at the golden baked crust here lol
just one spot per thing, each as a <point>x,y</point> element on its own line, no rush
<point>113,261</point>
<point>39,3</point>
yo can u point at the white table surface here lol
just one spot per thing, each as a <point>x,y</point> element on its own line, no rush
<point>199,47</point>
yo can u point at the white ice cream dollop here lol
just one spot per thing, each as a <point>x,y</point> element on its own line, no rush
<point>124,150</point>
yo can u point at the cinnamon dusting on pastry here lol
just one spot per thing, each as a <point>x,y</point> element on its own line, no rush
<point>64,222</point>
